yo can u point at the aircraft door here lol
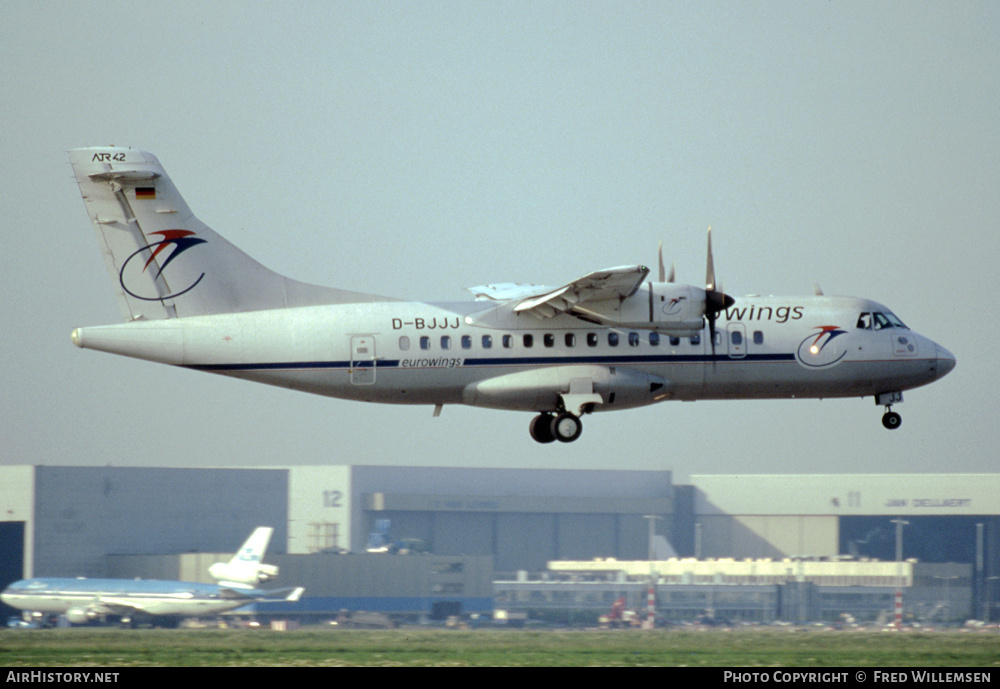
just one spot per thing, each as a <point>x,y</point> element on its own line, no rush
<point>737,340</point>
<point>363,359</point>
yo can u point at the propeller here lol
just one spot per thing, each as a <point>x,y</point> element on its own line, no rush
<point>715,299</point>
<point>663,273</point>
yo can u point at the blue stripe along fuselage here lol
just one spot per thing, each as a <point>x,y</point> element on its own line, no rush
<point>470,362</point>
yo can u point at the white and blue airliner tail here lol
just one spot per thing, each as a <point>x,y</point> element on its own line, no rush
<point>246,569</point>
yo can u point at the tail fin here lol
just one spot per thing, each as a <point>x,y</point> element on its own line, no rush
<point>165,262</point>
<point>252,551</point>
<point>246,567</point>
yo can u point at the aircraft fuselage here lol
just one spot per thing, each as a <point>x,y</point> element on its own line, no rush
<point>82,600</point>
<point>437,354</point>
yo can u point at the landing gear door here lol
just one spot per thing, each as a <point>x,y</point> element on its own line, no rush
<point>363,360</point>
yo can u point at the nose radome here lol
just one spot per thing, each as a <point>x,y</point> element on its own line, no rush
<point>945,361</point>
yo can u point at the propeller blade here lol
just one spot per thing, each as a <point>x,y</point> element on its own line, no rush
<point>710,271</point>
<point>664,275</point>
<point>716,300</point>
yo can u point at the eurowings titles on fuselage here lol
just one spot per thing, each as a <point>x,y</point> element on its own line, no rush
<point>612,339</point>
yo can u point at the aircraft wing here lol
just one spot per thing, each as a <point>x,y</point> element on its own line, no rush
<point>602,285</point>
<point>110,605</point>
<point>286,594</point>
<point>125,605</point>
<point>505,291</point>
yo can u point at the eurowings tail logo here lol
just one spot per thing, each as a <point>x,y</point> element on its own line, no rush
<point>150,285</point>
<point>823,348</point>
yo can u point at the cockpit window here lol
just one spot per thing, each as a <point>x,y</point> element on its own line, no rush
<point>879,320</point>
<point>896,323</point>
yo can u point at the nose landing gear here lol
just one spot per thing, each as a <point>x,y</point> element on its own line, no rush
<point>890,419</point>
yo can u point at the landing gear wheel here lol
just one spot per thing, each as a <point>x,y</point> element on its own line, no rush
<point>566,428</point>
<point>891,420</point>
<point>541,428</point>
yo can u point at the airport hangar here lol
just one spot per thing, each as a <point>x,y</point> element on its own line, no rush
<point>476,526</point>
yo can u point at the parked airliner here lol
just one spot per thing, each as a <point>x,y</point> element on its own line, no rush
<point>613,339</point>
<point>164,603</point>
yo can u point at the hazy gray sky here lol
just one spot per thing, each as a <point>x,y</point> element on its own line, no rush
<point>414,149</point>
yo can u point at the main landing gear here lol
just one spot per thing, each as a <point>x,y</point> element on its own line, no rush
<point>564,427</point>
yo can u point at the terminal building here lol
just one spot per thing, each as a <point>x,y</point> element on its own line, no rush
<point>439,542</point>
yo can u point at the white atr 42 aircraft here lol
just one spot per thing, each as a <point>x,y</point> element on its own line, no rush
<point>613,339</point>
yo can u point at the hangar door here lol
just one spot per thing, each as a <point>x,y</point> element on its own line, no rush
<point>11,558</point>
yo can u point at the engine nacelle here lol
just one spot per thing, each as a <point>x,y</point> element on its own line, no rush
<point>677,310</point>
<point>670,308</point>
<point>79,616</point>
<point>245,574</point>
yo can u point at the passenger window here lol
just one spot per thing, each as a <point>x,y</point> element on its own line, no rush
<point>674,341</point>
<point>654,339</point>
<point>466,341</point>
<point>633,339</point>
<point>613,339</point>
<point>696,340</point>
<point>425,342</point>
<point>404,343</point>
<point>737,337</point>
<point>446,342</point>
<point>549,340</point>
<point>591,339</point>
<point>529,341</point>
<point>508,341</point>
<point>487,341</point>
<point>758,337</point>
<point>570,340</point>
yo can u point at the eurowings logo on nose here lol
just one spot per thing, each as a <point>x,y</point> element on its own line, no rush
<point>820,350</point>
<point>155,286</point>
